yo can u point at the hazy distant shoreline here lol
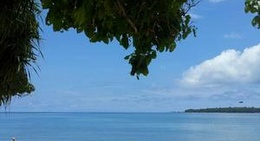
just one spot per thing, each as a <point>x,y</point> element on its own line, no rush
<point>225,110</point>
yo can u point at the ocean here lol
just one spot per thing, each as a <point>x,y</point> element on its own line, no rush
<point>129,127</point>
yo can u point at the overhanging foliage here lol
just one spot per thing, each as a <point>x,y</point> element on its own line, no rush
<point>150,26</point>
<point>18,44</point>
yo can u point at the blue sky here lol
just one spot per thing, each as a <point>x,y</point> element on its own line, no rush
<point>220,67</point>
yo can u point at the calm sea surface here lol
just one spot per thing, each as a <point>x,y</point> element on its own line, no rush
<point>129,127</point>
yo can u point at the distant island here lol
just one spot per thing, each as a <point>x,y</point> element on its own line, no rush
<point>225,110</point>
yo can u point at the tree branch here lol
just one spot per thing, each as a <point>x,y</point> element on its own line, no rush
<point>122,11</point>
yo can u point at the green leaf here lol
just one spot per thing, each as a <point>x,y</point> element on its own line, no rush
<point>94,38</point>
<point>127,57</point>
<point>105,40</point>
<point>153,55</point>
<point>256,21</point>
<point>172,47</point>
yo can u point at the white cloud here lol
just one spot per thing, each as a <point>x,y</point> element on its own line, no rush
<point>233,36</point>
<point>229,67</point>
<point>195,16</point>
<point>216,1</point>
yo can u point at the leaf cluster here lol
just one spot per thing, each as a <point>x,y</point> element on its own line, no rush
<point>19,38</point>
<point>149,26</point>
<point>253,6</point>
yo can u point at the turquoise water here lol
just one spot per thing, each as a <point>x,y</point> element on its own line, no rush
<point>129,127</point>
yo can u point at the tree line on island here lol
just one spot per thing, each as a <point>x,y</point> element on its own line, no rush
<point>225,110</point>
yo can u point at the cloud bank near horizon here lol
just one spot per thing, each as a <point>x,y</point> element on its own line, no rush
<point>231,66</point>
